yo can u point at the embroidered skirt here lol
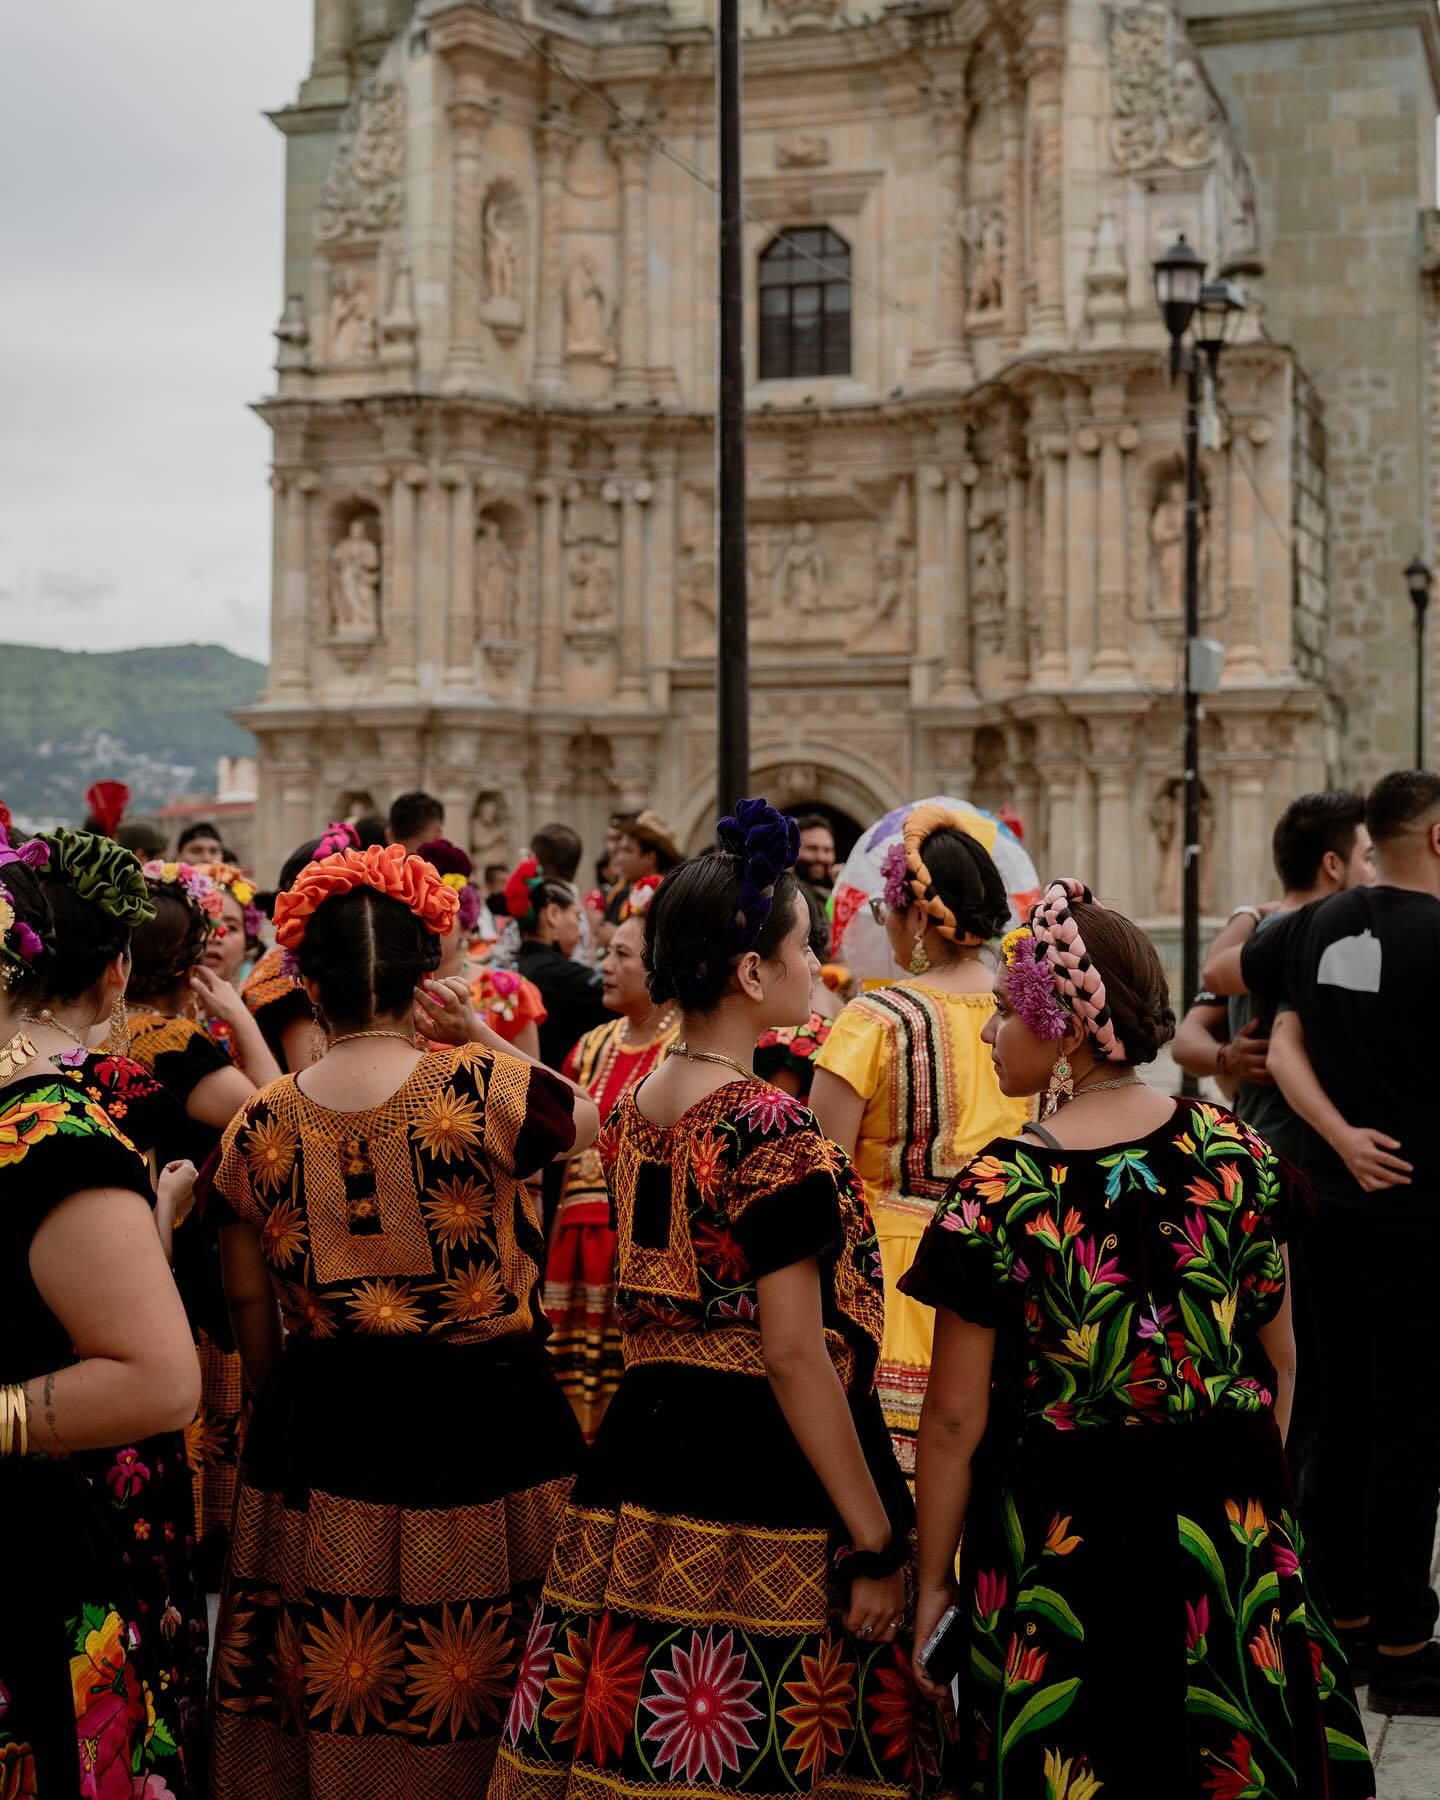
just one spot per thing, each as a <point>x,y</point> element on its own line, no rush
<point>585,1341</point>
<point>688,1640</point>
<point>397,1506</point>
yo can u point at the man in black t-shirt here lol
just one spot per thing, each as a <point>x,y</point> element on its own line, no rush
<point>1362,972</point>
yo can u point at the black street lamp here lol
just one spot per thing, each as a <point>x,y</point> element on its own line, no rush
<point>1417,581</point>
<point>1185,297</point>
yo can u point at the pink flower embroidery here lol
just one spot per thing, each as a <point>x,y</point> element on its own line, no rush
<point>771,1110</point>
<point>530,1678</point>
<point>128,1476</point>
<point>703,1712</point>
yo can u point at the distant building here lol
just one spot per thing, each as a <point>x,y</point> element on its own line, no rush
<point>231,808</point>
<point>493,471</point>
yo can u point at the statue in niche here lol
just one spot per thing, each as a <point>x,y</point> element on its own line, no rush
<point>803,570</point>
<point>987,277</point>
<point>494,581</point>
<point>352,318</point>
<point>888,627</point>
<point>587,311</point>
<point>1188,140</point>
<point>502,266</point>
<point>355,583</point>
<point>991,583</point>
<point>489,831</point>
<point>1167,545</point>
<point>592,586</point>
<point>1166,821</point>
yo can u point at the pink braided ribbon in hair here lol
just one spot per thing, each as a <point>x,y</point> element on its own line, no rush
<point>1077,980</point>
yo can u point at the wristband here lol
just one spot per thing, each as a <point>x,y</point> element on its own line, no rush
<point>852,1565</point>
<point>1252,912</point>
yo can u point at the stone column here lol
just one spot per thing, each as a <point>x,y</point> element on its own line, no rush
<point>290,631</point>
<point>1012,131</point>
<point>400,676</point>
<point>958,678</point>
<point>332,37</point>
<point>1052,669</point>
<point>1113,746</point>
<point>1113,661</point>
<point>1046,90</point>
<point>1251,822</point>
<point>1017,647</point>
<point>552,140</point>
<point>469,111</point>
<point>660,574</point>
<point>636,494</point>
<point>549,627</point>
<point>1244,661</point>
<point>632,377</point>
<point>951,365</point>
<point>1082,527</point>
<point>1058,775</point>
<point>930,544</point>
<point>460,623</point>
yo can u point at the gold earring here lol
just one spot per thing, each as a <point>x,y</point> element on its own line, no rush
<point>119,1036</point>
<point>919,961</point>
<point>1062,1085</point>
<point>319,1040</point>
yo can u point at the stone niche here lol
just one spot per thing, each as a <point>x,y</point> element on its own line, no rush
<point>504,245</point>
<point>502,585</point>
<point>349,570</point>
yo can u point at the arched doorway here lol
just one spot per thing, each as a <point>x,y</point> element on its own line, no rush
<point>851,798</point>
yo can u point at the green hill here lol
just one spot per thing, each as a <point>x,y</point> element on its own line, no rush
<point>152,718</point>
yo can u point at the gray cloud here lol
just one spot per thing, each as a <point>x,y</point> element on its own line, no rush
<point>143,241</point>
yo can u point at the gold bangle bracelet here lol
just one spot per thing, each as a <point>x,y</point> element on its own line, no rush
<point>13,1413</point>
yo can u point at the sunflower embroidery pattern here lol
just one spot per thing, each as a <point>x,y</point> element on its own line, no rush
<point>270,1148</point>
<point>458,1213</point>
<point>353,1666</point>
<point>457,1675</point>
<point>449,1128</point>
<point>384,1309</point>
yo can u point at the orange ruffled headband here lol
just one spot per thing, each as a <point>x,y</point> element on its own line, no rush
<point>387,869</point>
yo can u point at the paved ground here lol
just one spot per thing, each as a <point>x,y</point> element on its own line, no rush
<point>1406,1751</point>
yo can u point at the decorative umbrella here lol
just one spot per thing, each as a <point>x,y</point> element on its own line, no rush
<point>858,941</point>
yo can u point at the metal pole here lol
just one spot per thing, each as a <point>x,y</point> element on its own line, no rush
<point>1419,687</point>
<point>732,650</point>
<point>1190,931</point>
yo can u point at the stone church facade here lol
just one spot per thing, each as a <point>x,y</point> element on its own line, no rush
<point>494,541</point>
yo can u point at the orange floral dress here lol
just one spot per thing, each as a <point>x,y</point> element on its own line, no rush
<point>407,1468</point>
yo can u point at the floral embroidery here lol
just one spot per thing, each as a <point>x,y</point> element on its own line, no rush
<point>458,1675</point>
<point>703,1712</point>
<point>820,1708</point>
<point>386,1308</point>
<point>449,1128</point>
<point>353,1666</point>
<point>768,1109</point>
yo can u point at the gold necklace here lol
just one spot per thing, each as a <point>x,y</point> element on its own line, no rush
<point>15,1054</point>
<point>46,1017</point>
<point>662,1025</point>
<point>712,1056</point>
<point>1099,1087</point>
<point>349,1036</point>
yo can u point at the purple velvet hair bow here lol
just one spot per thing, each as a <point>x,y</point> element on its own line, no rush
<point>766,843</point>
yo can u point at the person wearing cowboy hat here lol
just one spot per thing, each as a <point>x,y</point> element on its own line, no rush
<point>646,846</point>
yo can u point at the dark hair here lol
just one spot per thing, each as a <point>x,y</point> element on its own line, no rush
<point>545,893</point>
<point>557,850</point>
<point>496,873</point>
<point>31,903</point>
<point>819,924</point>
<point>1310,827</point>
<point>1136,990</point>
<point>691,912</point>
<point>142,836</point>
<point>412,814</point>
<point>169,946</point>
<point>814,822</point>
<point>368,952</point>
<point>370,829</point>
<point>87,940</point>
<point>199,828</point>
<point>964,876</point>
<point>1399,800</point>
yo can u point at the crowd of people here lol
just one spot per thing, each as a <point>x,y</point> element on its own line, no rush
<point>590,1352</point>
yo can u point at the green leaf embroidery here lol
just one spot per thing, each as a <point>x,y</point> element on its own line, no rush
<point>1043,1708</point>
<point>1014,1536</point>
<point>981,1665</point>
<point>1201,1700</point>
<point>1266,1588</point>
<point>1345,1749</point>
<point>1051,1606</point>
<point>1195,1540</point>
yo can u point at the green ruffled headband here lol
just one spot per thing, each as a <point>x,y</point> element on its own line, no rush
<point>101,871</point>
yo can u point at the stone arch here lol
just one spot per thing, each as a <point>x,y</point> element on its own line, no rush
<point>848,785</point>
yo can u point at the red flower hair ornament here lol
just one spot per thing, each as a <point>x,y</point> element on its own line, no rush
<point>385,868</point>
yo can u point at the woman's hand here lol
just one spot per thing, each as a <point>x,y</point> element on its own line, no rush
<point>931,1605</point>
<point>174,1195</point>
<point>877,1608</point>
<point>218,998</point>
<point>443,1011</point>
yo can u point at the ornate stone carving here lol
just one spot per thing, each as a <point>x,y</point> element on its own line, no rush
<point>1166,820</point>
<point>489,830</point>
<point>1165,112</point>
<point>496,583</point>
<point>802,150</point>
<point>502,260</point>
<point>591,536</point>
<point>503,237</point>
<point>989,579</point>
<point>362,195</point>
<point>802,15</point>
<point>589,317</point>
<point>1167,546</point>
<point>352,315</point>
<point>355,579</point>
<point>802,570</point>
<point>591,580</point>
<point>986,242</point>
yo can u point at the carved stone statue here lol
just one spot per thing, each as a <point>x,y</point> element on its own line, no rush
<point>355,583</point>
<point>987,275</point>
<point>592,586</point>
<point>494,581</point>
<point>502,268</point>
<point>352,318</point>
<point>587,310</point>
<point>889,627</point>
<point>1167,542</point>
<point>1166,820</point>
<point>990,583</point>
<point>1187,143</point>
<point>361,197</point>
<point>489,831</point>
<point>1164,111</point>
<point>803,570</point>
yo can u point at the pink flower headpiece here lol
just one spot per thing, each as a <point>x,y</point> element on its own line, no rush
<point>1030,984</point>
<point>1079,984</point>
<point>197,888</point>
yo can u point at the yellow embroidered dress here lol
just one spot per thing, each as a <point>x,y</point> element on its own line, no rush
<point>405,1472</point>
<point>913,1055</point>
<point>687,1639</point>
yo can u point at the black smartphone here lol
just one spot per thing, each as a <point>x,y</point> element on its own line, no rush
<point>945,1648</point>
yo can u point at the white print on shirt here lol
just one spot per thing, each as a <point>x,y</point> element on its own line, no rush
<point>1352,963</point>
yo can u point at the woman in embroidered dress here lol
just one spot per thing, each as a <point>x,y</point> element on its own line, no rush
<point>411,1451</point>
<point>168,984</point>
<point>699,1629</point>
<point>94,1354</point>
<point>903,1081</point>
<point>98,896</point>
<point>580,1269</point>
<point>508,1004</point>
<point>1133,1604</point>
<point>233,944</point>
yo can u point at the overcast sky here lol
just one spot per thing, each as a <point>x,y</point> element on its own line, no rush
<point>140,237</point>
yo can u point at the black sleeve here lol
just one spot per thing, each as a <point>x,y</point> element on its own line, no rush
<point>529,1114</point>
<point>57,1144</point>
<point>787,1201</point>
<point>183,1070</point>
<point>573,981</point>
<point>958,1264</point>
<point>1264,957</point>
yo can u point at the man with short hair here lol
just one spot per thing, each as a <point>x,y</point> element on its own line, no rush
<point>414,820</point>
<point>816,861</point>
<point>1361,971</point>
<point>200,842</point>
<point>494,877</point>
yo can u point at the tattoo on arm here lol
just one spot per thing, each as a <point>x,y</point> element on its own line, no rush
<point>50,1411</point>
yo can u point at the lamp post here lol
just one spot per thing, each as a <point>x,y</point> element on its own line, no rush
<point>732,648</point>
<point>1417,581</point>
<point>1184,295</point>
